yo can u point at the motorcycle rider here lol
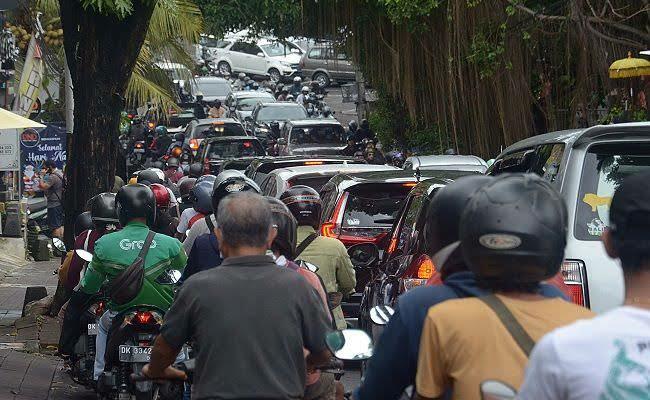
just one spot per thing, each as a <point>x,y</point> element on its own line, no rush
<point>364,132</point>
<point>201,206</point>
<point>179,141</point>
<point>184,188</point>
<point>302,97</point>
<point>201,243</point>
<point>278,314</point>
<point>166,220</point>
<point>284,93</point>
<point>172,170</point>
<point>115,252</point>
<point>327,113</point>
<point>255,86</point>
<point>161,142</point>
<point>296,87</point>
<point>149,176</point>
<point>196,170</point>
<point>217,110</point>
<point>329,254</point>
<point>372,155</point>
<point>395,356</point>
<point>352,129</point>
<point>512,236</point>
<point>240,83</point>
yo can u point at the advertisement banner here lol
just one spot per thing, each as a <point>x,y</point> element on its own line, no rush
<point>36,146</point>
<point>31,80</point>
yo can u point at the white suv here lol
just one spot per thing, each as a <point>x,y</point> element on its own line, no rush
<point>273,59</point>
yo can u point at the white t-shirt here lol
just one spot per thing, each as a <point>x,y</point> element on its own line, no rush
<point>607,357</point>
<point>199,228</point>
<point>184,222</point>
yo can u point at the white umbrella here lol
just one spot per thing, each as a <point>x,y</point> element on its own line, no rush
<point>9,120</point>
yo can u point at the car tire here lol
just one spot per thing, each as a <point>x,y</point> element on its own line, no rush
<point>274,75</point>
<point>224,67</point>
<point>322,79</point>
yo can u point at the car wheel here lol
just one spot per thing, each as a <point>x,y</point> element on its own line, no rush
<point>322,79</point>
<point>274,74</point>
<point>224,68</point>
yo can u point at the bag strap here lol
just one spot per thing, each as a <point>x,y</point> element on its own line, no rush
<point>146,245</point>
<point>208,222</point>
<point>523,339</point>
<point>305,243</point>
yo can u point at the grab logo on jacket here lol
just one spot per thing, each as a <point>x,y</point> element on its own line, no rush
<point>128,244</point>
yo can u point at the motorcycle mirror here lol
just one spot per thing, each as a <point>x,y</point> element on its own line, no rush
<point>497,390</point>
<point>380,315</point>
<point>363,254</point>
<point>349,344</point>
<point>84,255</point>
<point>58,243</point>
<point>313,268</point>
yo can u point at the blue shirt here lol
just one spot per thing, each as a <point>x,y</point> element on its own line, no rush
<point>204,255</point>
<point>394,363</point>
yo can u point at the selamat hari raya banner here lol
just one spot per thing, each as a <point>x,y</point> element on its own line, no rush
<point>36,146</point>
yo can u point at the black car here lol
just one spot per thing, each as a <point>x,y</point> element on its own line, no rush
<point>362,208</point>
<point>199,129</point>
<point>183,116</point>
<point>264,115</point>
<point>214,151</point>
<point>260,168</point>
<point>312,137</point>
<point>404,262</point>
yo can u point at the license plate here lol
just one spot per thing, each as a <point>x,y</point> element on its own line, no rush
<point>138,150</point>
<point>92,329</point>
<point>135,354</point>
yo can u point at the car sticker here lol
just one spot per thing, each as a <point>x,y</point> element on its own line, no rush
<point>354,221</point>
<point>596,227</point>
<point>593,200</point>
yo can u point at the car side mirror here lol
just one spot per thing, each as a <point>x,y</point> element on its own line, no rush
<point>363,255</point>
<point>496,390</point>
<point>281,141</point>
<point>260,54</point>
<point>84,255</point>
<point>349,344</point>
<point>380,315</point>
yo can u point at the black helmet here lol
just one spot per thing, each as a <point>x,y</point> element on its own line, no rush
<point>231,181</point>
<point>514,230</point>
<point>200,197</point>
<point>450,152</point>
<point>365,124</point>
<point>179,137</point>
<point>135,201</point>
<point>149,176</point>
<point>185,186</point>
<point>82,223</point>
<point>158,164</point>
<point>353,125</point>
<point>327,111</point>
<point>206,178</point>
<point>304,203</point>
<point>285,223</point>
<point>103,209</point>
<point>172,162</point>
<point>196,169</point>
<point>446,208</point>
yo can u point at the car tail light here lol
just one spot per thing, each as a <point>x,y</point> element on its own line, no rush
<point>575,277</point>
<point>313,163</point>
<point>143,318</point>
<point>194,144</point>
<point>332,228</point>
<point>151,125</point>
<point>418,273</point>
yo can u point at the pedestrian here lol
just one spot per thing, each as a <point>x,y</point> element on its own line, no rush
<point>52,185</point>
<point>249,318</point>
<point>607,357</point>
<point>329,254</point>
<point>512,237</point>
<point>394,362</point>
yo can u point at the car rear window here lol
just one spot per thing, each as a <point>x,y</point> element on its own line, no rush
<point>333,134</point>
<point>604,169</point>
<point>374,206</point>
<point>210,130</point>
<point>234,149</point>
<point>314,182</point>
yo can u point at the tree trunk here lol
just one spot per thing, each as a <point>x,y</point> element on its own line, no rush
<point>101,51</point>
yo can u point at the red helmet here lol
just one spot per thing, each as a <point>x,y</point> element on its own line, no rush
<point>163,199</point>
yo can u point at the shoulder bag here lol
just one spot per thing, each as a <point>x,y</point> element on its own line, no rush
<point>125,287</point>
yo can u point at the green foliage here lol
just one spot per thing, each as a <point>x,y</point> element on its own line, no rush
<point>120,8</point>
<point>400,10</point>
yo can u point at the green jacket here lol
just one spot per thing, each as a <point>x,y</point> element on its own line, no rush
<point>334,266</point>
<point>116,251</point>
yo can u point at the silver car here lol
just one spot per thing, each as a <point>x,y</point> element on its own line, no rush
<point>586,166</point>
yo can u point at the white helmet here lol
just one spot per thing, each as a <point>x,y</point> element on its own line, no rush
<point>297,79</point>
<point>304,90</point>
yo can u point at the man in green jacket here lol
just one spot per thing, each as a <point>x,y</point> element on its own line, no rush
<point>115,252</point>
<point>328,254</point>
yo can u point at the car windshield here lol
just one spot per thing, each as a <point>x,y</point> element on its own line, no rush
<point>283,113</point>
<point>604,169</point>
<point>213,88</point>
<point>207,130</point>
<point>234,149</point>
<point>374,207</point>
<point>277,49</point>
<point>248,103</point>
<point>329,134</point>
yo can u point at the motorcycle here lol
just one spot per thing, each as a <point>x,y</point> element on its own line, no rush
<point>137,157</point>
<point>82,360</point>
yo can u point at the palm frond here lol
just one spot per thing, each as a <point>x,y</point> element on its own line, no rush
<point>142,89</point>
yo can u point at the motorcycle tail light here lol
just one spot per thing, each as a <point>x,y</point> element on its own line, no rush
<point>143,318</point>
<point>151,125</point>
<point>194,144</point>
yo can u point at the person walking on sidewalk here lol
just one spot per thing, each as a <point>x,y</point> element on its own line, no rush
<point>607,357</point>
<point>52,186</point>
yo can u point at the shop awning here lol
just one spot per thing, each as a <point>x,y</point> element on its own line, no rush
<point>9,120</point>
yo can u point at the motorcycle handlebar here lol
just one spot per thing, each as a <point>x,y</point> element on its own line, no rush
<point>185,366</point>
